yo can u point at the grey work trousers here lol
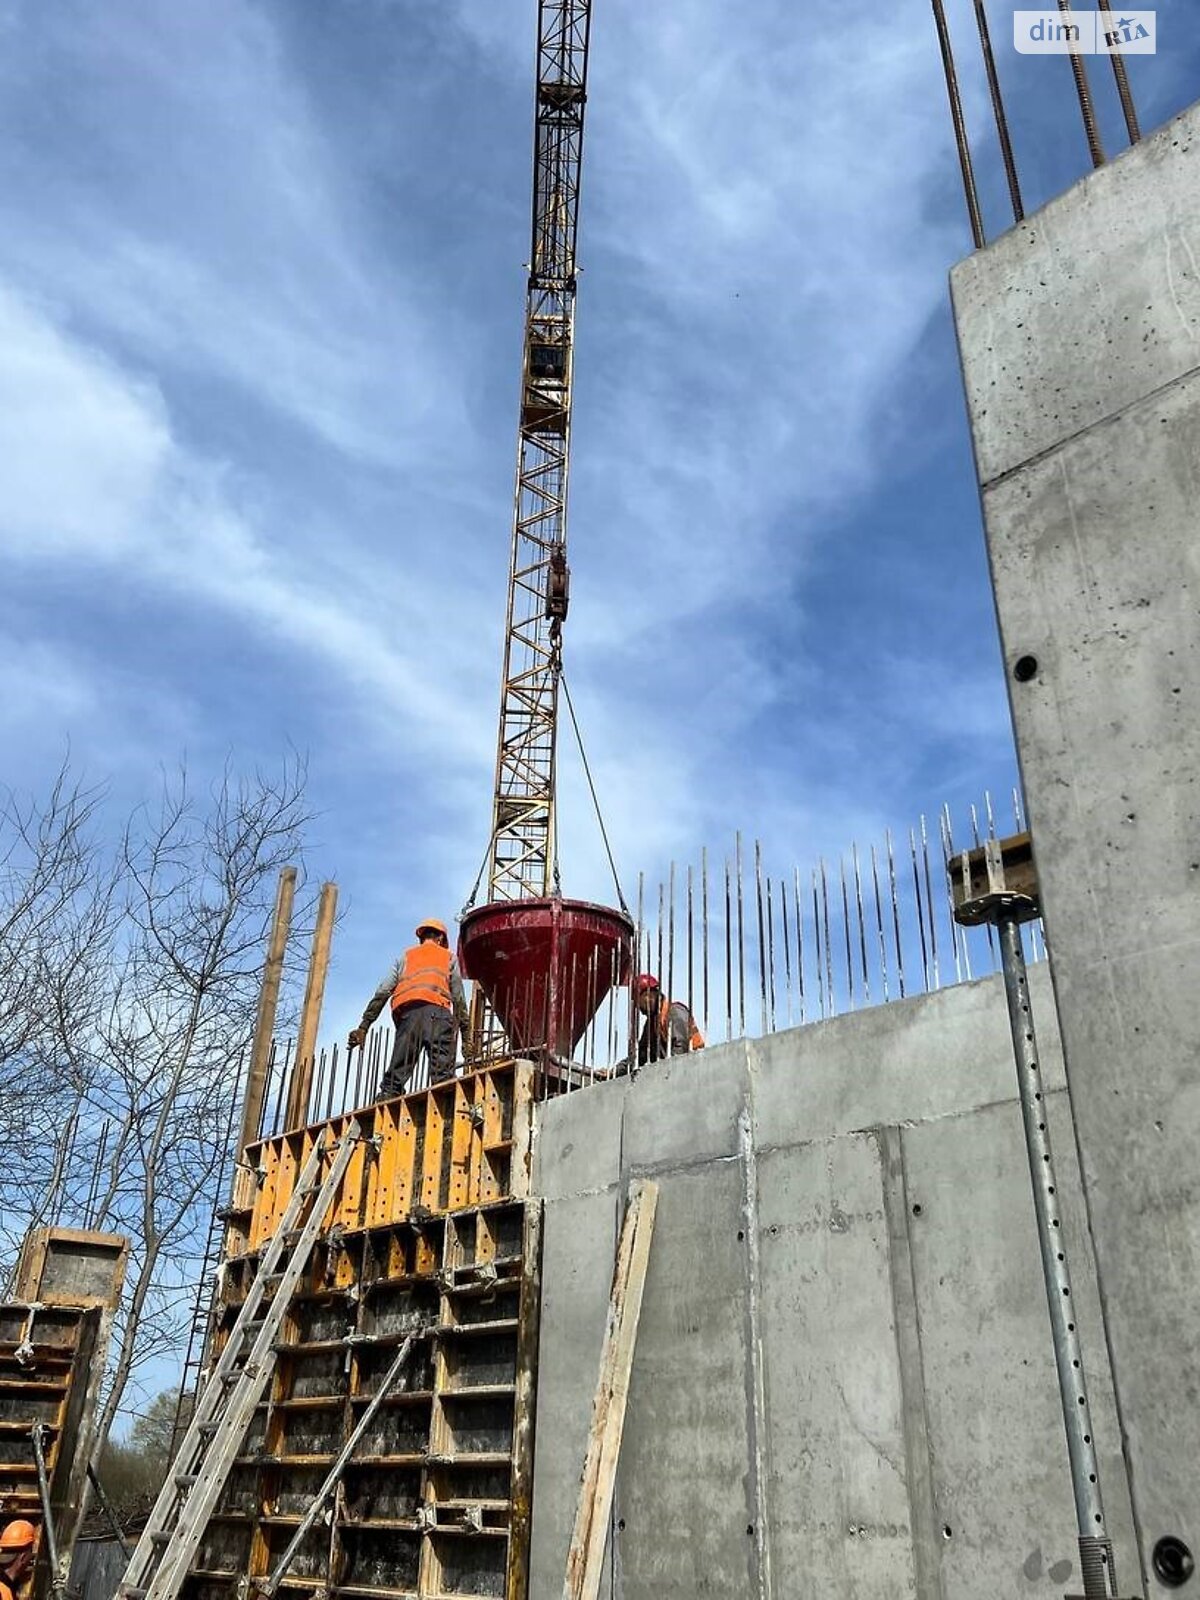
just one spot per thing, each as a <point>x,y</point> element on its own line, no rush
<point>419,1027</point>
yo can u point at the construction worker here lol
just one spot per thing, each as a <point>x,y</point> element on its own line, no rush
<point>426,994</point>
<point>669,1028</point>
<point>16,1555</point>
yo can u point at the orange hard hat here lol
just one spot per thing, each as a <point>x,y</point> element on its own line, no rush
<point>19,1535</point>
<point>645,982</point>
<point>432,925</point>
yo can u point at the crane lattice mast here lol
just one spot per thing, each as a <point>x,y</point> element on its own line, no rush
<point>523,822</point>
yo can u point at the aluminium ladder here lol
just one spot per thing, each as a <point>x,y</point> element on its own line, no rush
<point>223,1413</point>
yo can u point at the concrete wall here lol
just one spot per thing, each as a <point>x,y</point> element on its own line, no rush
<point>1080,340</point>
<point>843,1383</point>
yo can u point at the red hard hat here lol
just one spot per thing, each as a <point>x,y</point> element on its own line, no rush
<point>645,980</point>
<point>19,1535</point>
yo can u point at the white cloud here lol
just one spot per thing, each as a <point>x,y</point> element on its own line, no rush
<point>97,477</point>
<point>84,445</point>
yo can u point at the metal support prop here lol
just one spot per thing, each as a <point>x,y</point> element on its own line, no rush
<point>58,1578</point>
<point>269,1586</point>
<point>997,883</point>
<point>1095,1549</point>
<point>110,1514</point>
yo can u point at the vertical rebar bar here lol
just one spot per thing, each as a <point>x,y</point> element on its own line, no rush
<point>799,938</point>
<point>862,925</point>
<point>762,943</point>
<point>787,949</point>
<point>1002,133</point>
<point>704,926</point>
<point>912,845</point>
<point>976,841</point>
<point>728,957</point>
<point>846,931</point>
<point>883,966</point>
<point>818,947</point>
<point>960,126</point>
<point>895,912</point>
<point>958,933</point>
<point>1083,91</point>
<point>690,923</point>
<point>741,943</point>
<point>933,949</point>
<point>771,952</point>
<point>829,989</point>
<point>1124,92</point>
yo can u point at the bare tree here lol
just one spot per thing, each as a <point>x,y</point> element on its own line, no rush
<point>134,1021</point>
<point>56,927</point>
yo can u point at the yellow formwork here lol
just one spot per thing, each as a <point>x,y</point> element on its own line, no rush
<point>458,1145</point>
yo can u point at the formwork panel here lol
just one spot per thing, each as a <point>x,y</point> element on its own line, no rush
<point>426,1505</point>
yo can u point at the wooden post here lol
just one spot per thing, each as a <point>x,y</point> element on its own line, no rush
<point>585,1558</point>
<point>310,1015</point>
<point>268,1002</point>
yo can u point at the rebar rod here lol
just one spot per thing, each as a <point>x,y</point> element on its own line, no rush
<point>771,953</point>
<point>846,931</point>
<point>741,944</point>
<point>1124,92</point>
<point>1083,91</point>
<point>960,126</point>
<point>704,925</point>
<point>762,944</point>
<point>883,967</point>
<point>998,111</point>
<point>862,926</point>
<point>728,957</point>
<point>787,949</point>
<point>799,939</point>
<point>933,949</point>
<point>895,912</point>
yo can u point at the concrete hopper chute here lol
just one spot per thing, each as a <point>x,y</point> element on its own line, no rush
<point>546,966</point>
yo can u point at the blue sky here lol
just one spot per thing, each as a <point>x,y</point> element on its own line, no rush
<point>261,298</point>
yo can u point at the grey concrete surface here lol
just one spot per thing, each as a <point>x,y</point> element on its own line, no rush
<point>1080,343</point>
<point>844,1380</point>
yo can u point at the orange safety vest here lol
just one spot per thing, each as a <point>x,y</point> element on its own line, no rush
<point>426,979</point>
<point>696,1039</point>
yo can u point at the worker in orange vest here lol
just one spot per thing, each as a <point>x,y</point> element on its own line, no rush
<point>669,1028</point>
<point>16,1555</point>
<point>427,999</point>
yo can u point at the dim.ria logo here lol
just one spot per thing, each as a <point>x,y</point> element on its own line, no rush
<point>1043,33</point>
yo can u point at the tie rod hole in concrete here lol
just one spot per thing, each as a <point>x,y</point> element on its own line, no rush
<point>1025,668</point>
<point>1173,1561</point>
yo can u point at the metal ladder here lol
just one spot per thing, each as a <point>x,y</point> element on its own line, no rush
<point>196,1477</point>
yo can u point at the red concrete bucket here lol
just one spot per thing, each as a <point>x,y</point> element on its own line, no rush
<point>546,966</point>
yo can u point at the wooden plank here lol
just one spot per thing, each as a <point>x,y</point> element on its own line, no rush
<point>431,1153</point>
<point>459,1196</point>
<point>268,1002</point>
<point>585,1557</point>
<point>521,1160</point>
<point>524,1404</point>
<point>300,1088</point>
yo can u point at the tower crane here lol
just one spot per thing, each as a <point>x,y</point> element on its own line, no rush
<point>542,965</point>
<point>522,850</point>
